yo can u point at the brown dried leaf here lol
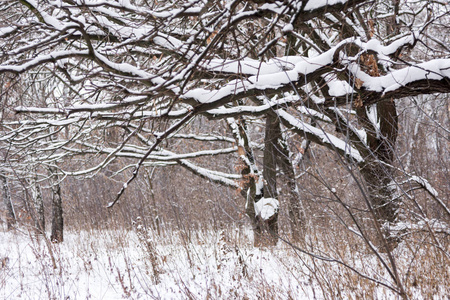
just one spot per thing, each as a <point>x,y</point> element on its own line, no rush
<point>241,150</point>
<point>211,37</point>
<point>358,102</point>
<point>358,83</point>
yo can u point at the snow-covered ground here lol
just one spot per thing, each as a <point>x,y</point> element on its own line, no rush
<point>118,265</point>
<point>194,265</point>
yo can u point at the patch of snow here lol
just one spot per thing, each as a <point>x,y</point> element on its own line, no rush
<point>315,4</point>
<point>372,114</point>
<point>288,28</point>
<point>259,185</point>
<point>266,207</point>
<point>6,30</point>
<point>337,88</point>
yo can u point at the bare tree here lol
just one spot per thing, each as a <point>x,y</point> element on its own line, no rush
<point>38,206</point>
<point>127,79</point>
<point>10,214</point>
<point>57,234</point>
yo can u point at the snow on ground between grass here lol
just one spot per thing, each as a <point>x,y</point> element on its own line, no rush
<point>200,264</point>
<point>116,265</point>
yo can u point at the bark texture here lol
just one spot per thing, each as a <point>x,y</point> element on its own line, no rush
<point>10,214</point>
<point>271,138</point>
<point>57,235</point>
<point>38,208</point>
<point>377,172</point>
<point>296,214</point>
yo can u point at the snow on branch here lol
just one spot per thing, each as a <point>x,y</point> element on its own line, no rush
<point>213,176</point>
<point>319,136</point>
<point>42,59</point>
<point>434,70</point>
<point>134,152</point>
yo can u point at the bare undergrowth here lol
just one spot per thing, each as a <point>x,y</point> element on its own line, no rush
<point>213,264</point>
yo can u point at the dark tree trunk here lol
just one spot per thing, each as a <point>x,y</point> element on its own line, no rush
<point>272,136</point>
<point>57,214</point>
<point>296,214</point>
<point>10,215</point>
<point>377,171</point>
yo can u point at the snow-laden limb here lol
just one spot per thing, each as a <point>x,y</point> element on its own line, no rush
<point>360,134</point>
<point>315,4</point>
<point>436,226</point>
<point>305,65</point>
<point>213,176</point>
<point>319,136</point>
<point>251,67</point>
<point>396,84</point>
<point>254,110</point>
<point>5,31</point>
<point>430,190</point>
<point>163,13</point>
<point>160,155</point>
<point>425,184</point>
<point>40,110</point>
<point>265,208</point>
<point>108,110</point>
<point>41,60</point>
<point>308,9</point>
<point>434,70</point>
<point>313,113</point>
<point>204,137</point>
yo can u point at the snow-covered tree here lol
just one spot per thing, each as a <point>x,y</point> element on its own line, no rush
<point>121,77</point>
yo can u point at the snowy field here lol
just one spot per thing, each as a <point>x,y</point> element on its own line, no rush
<point>193,265</point>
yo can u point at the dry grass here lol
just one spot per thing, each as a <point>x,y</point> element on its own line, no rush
<point>207,263</point>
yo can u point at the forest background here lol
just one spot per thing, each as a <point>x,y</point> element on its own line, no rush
<point>314,134</point>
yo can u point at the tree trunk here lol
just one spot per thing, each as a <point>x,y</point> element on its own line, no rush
<point>38,208</point>
<point>250,189</point>
<point>377,171</point>
<point>272,135</point>
<point>10,214</point>
<point>296,213</point>
<point>252,197</point>
<point>57,214</point>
